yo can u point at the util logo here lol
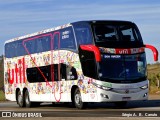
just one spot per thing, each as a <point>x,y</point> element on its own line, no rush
<point>17,73</point>
<point>123,51</point>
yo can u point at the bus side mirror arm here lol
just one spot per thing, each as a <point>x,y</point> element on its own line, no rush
<point>154,50</point>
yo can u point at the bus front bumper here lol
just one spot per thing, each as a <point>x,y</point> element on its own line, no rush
<point>110,96</point>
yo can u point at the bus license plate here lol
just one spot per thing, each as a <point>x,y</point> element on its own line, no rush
<point>126,98</point>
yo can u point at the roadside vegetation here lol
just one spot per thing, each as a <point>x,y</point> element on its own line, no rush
<point>2,98</point>
<point>1,80</point>
<point>153,77</point>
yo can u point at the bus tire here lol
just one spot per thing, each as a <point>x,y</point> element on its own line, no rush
<point>77,100</point>
<point>27,99</point>
<point>20,99</point>
<point>121,103</point>
<point>28,103</point>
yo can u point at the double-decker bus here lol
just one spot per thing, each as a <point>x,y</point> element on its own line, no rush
<point>80,62</point>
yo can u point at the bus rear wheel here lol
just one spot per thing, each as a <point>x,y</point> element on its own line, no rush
<point>20,99</point>
<point>78,100</point>
<point>28,103</point>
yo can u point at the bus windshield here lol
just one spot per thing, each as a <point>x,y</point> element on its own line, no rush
<point>120,32</point>
<point>122,67</point>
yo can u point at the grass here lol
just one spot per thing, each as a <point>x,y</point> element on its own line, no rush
<point>2,98</point>
<point>153,68</point>
<point>154,90</point>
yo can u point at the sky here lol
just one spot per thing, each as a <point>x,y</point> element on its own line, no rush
<point>21,17</point>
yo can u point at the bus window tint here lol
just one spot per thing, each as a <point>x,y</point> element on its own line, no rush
<point>32,74</point>
<point>38,45</point>
<point>46,42</point>
<point>30,46</point>
<point>20,49</point>
<point>43,44</point>
<point>83,34</point>
<point>67,39</point>
<point>105,33</point>
<point>14,49</point>
<point>116,32</point>
<point>56,42</point>
<point>8,50</point>
<point>128,33</point>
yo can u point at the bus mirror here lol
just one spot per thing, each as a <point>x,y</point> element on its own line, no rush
<point>154,50</point>
<point>94,49</point>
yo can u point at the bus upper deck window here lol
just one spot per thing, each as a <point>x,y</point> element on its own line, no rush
<point>83,34</point>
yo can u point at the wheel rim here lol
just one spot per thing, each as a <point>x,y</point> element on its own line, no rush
<point>78,98</point>
<point>20,99</point>
<point>27,99</point>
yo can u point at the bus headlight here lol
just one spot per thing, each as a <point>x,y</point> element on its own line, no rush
<point>106,88</point>
<point>102,87</point>
<point>144,87</point>
<point>99,86</point>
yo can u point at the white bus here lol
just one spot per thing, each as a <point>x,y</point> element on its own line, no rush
<point>80,62</point>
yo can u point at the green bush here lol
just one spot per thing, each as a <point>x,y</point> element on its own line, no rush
<point>152,79</point>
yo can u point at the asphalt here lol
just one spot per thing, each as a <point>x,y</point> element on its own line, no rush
<point>133,110</point>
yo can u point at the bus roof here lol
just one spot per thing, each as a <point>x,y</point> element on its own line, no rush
<point>104,21</point>
<point>64,26</point>
<point>38,33</point>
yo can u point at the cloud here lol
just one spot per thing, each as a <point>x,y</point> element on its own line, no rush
<point>88,11</point>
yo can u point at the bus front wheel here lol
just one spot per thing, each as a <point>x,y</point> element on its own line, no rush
<point>28,103</point>
<point>78,100</point>
<point>20,99</point>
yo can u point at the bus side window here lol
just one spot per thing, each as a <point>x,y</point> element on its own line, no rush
<point>8,50</point>
<point>39,45</point>
<point>68,72</point>
<point>63,71</point>
<point>45,72</point>
<point>20,49</point>
<point>46,42</point>
<point>56,42</point>
<point>43,44</point>
<point>12,49</point>
<point>83,34</point>
<point>56,72</point>
<point>71,73</point>
<point>31,46</point>
<point>67,40</point>
<point>31,74</point>
<point>53,72</point>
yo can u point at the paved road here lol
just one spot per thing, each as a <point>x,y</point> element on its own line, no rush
<point>47,110</point>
